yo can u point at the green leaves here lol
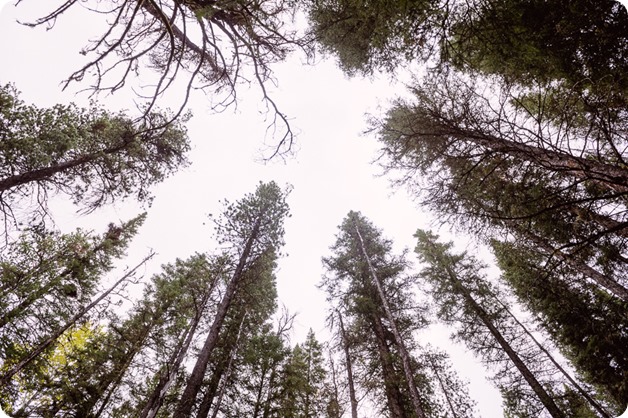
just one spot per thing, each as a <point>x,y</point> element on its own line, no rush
<point>92,156</point>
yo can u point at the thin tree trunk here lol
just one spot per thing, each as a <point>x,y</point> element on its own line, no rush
<point>225,383</point>
<point>52,338</point>
<point>43,174</point>
<point>195,380</point>
<point>442,386</point>
<point>604,175</point>
<point>575,384</point>
<point>391,388</point>
<point>349,367</point>
<point>529,377</point>
<point>168,374</point>
<point>405,356</point>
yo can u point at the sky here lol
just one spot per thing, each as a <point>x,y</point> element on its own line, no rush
<point>331,171</point>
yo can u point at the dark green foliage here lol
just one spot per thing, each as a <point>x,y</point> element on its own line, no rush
<point>467,300</point>
<point>369,35</point>
<point>587,324</point>
<point>579,42</point>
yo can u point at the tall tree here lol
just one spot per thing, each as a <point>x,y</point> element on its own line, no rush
<point>197,277</point>
<point>253,228</point>
<point>587,325</point>
<point>303,381</point>
<point>353,290</point>
<point>91,155</point>
<point>464,296</point>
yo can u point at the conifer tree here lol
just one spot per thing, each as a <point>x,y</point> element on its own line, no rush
<point>253,228</point>
<point>464,297</point>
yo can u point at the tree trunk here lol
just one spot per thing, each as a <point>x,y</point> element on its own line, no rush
<point>229,370</point>
<point>529,377</point>
<point>442,386</point>
<point>604,175</point>
<point>393,395</point>
<point>52,338</point>
<point>349,367</point>
<point>168,374</point>
<point>575,384</point>
<point>405,356</point>
<point>44,174</point>
<point>195,380</point>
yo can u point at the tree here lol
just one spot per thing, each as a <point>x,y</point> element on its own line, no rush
<point>253,228</point>
<point>577,43</point>
<point>91,155</point>
<point>72,322</point>
<point>303,381</point>
<point>212,46</point>
<point>585,323</point>
<point>463,296</point>
<point>197,277</point>
<point>47,277</point>
<point>371,35</point>
<point>353,291</point>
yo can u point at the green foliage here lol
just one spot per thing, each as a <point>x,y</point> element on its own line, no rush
<point>303,381</point>
<point>370,35</point>
<point>91,155</point>
<point>586,323</point>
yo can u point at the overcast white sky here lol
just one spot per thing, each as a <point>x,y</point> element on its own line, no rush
<point>331,171</point>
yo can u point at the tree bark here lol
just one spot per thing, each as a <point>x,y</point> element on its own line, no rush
<point>393,395</point>
<point>405,356</point>
<point>44,174</point>
<point>349,367</point>
<point>186,403</point>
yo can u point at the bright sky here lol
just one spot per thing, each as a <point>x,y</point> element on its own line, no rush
<point>331,171</point>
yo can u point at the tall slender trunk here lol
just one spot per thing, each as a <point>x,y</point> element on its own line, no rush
<point>442,385</point>
<point>529,377</point>
<point>405,356</point>
<point>186,403</point>
<point>391,388</point>
<point>6,377</point>
<point>169,372</point>
<point>349,367</point>
<point>571,380</point>
<point>225,383</point>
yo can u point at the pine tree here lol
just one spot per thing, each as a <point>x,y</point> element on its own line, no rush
<point>253,227</point>
<point>464,297</point>
<point>586,324</point>
<point>353,290</point>
<point>91,155</point>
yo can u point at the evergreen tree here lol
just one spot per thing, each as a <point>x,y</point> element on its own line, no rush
<point>253,228</point>
<point>465,298</point>
<point>93,156</point>
<point>359,254</point>
<point>303,381</point>
<point>587,325</point>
